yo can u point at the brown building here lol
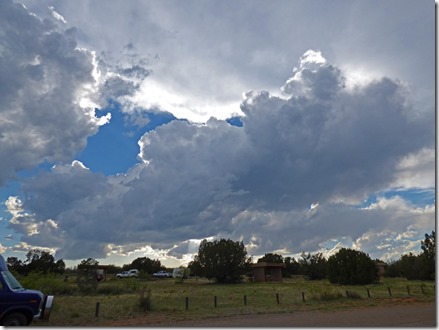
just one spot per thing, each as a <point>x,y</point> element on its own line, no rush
<point>264,271</point>
<point>382,267</point>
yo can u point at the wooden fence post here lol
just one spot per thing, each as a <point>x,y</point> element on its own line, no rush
<point>408,290</point>
<point>214,301</point>
<point>97,309</point>
<point>303,296</point>
<point>347,294</point>
<point>390,292</point>
<point>277,298</point>
<point>187,303</point>
<point>368,293</point>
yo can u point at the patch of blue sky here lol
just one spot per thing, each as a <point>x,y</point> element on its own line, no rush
<point>235,121</point>
<point>417,197</point>
<point>114,148</point>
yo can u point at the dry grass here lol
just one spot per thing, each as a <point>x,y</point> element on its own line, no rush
<point>168,299</point>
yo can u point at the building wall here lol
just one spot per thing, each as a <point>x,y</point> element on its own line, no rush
<point>275,274</point>
<point>259,274</point>
<point>262,274</point>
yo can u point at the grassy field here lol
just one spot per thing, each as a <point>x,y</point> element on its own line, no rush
<point>121,299</point>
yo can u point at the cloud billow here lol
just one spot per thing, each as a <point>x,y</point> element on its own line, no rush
<point>43,78</point>
<point>322,143</point>
<point>345,144</point>
<point>51,88</point>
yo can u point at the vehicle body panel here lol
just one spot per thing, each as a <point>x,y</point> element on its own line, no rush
<point>16,300</point>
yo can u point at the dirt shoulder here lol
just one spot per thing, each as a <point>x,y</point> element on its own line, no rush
<point>419,314</point>
<point>416,315</point>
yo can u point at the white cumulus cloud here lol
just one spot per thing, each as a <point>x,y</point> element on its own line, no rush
<point>320,144</point>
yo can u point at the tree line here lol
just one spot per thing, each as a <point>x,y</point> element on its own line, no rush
<point>226,261</point>
<point>39,261</point>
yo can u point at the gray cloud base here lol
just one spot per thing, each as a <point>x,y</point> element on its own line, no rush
<point>41,74</point>
<point>323,143</point>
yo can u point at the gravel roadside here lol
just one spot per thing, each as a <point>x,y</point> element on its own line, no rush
<point>413,315</point>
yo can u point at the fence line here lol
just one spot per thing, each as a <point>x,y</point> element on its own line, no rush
<point>368,293</point>
<point>284,298</point>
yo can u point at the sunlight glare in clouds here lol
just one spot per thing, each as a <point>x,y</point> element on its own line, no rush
<point>154,96</point>
<point>328,122</point>
<point>359,75</point>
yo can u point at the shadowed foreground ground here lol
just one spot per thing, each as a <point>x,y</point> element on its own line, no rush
<point>410,315</point>
<point>417,315</point>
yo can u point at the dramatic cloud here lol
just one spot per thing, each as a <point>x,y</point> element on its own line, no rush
<point>205,55</point>
<point>50,87</point>
<point>292,178</point>
<point>46,82</point>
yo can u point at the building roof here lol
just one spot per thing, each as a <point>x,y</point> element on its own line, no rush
<point>268,264</point>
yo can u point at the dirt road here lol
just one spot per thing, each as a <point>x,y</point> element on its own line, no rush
<point>412,315</point>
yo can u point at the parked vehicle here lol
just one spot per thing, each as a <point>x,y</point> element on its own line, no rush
<point>128,273</point>
<point>162,274</point>
<point>20,306</point>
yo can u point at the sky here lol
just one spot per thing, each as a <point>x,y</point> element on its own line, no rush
<point>139,128</point>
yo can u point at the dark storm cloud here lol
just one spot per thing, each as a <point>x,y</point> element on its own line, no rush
<point>323,143</point>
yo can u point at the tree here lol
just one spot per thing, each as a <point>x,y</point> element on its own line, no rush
<point>59,267</point>
<point>313,266</point>
<point>393,269</point>
<point>417,267</point>
<point>428,245</point>
<point>88,262</point>
<point>292,267</point>
<point>86,276</point>
<point>16,264</point>
<point>223,260</point>
<point>428,256</point>
<point>352,267</point>
<point>43,262</point>
<point>272,258</point>
<point>411,267</point>
<point>195,267</point>
<point>145,265</point>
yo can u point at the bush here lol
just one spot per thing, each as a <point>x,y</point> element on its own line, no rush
<point>46,283</point>
<point>393,270</point>
<point>313,266</point>
<point>145,299</point>
<point>351,267</point>
<point>224,260</point>
<point>417,267</point>
<point>86,281</point>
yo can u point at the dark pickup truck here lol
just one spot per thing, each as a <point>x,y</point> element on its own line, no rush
<point>20,306</point>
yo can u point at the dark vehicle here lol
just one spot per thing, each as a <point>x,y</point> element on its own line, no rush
<point>20,306</point>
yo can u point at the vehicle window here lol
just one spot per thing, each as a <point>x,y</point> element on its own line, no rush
<point>11,281</point>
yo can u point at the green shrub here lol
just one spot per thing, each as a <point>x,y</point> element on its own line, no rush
<point>351,267</point>
<point>86,281</point>
<point>47,283</point>
<point>145,299</point>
